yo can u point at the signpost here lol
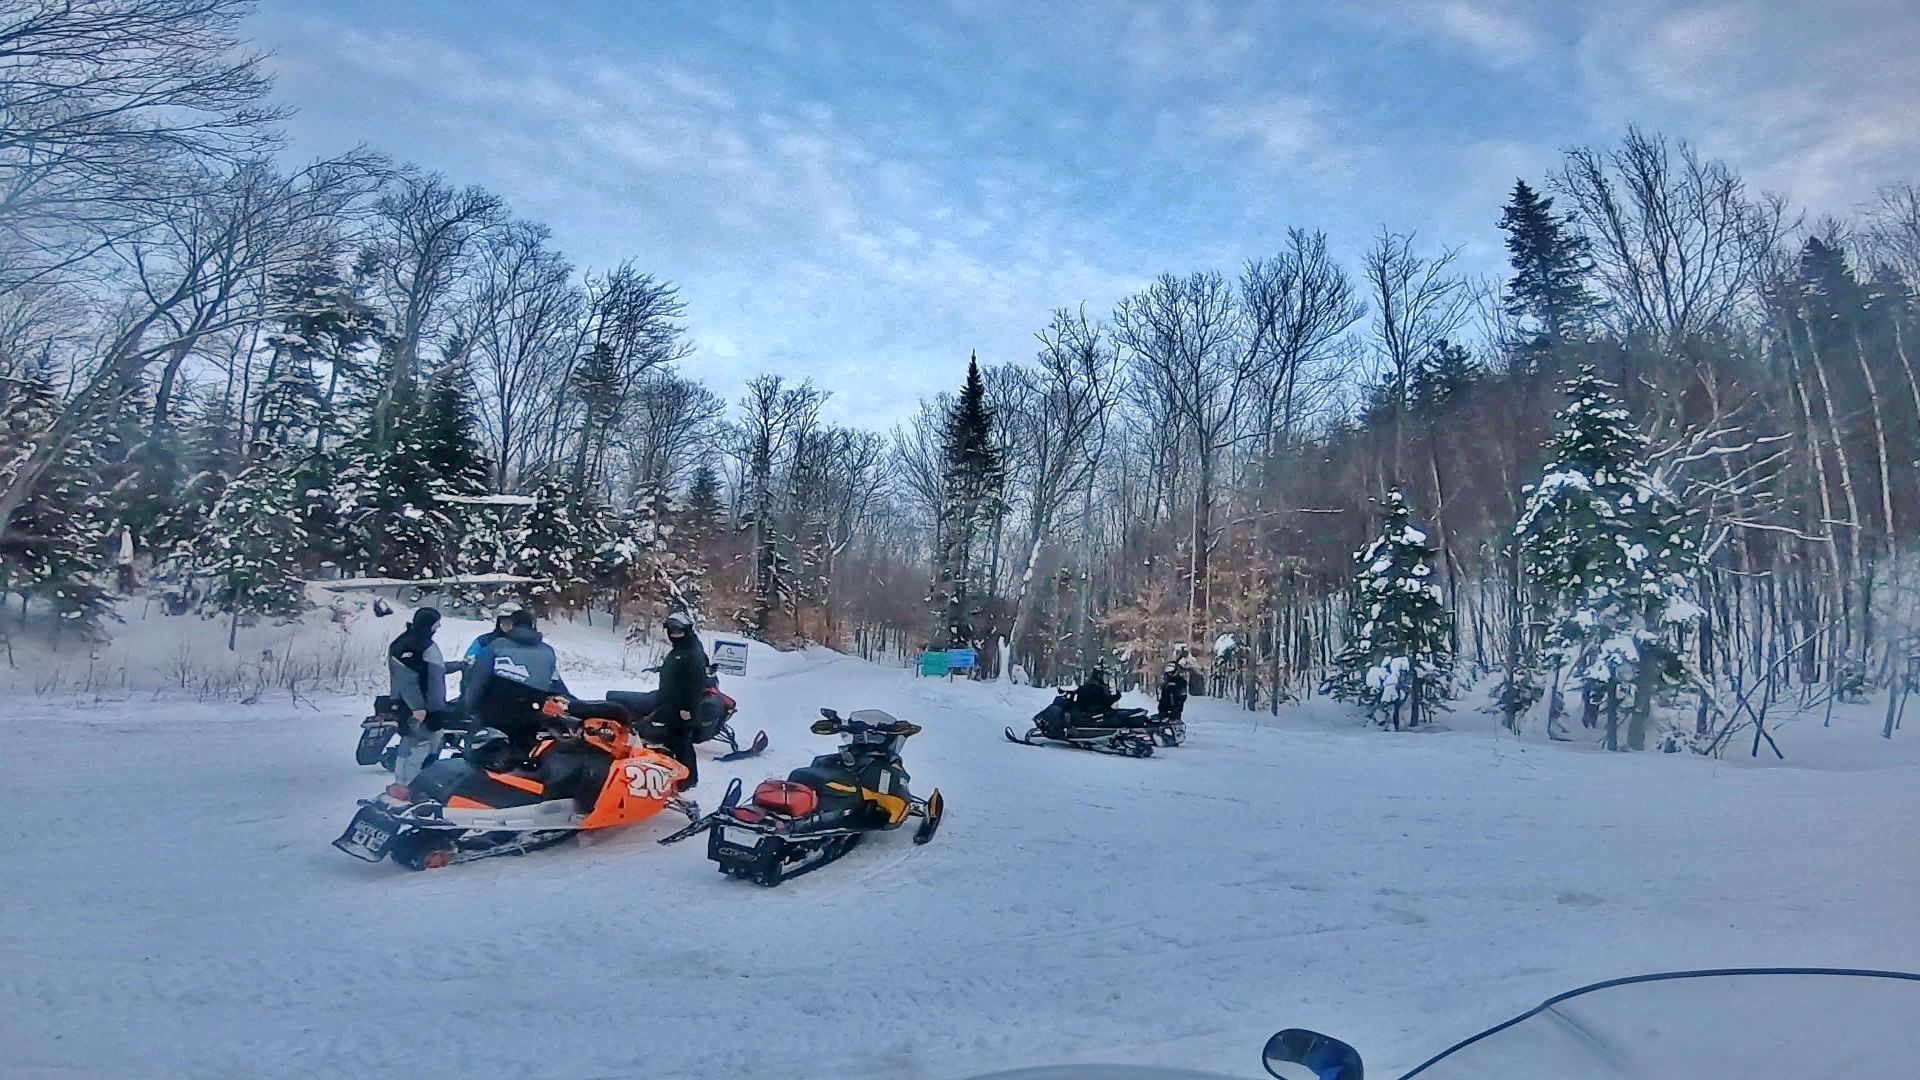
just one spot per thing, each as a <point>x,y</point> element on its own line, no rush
<point>730,656</point>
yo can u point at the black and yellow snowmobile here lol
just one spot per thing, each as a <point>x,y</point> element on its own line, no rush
<point>822,811</point>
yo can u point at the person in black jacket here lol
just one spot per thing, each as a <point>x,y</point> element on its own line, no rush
<point>513,676</point>
<point>417,675</point>
<point>683,680</point>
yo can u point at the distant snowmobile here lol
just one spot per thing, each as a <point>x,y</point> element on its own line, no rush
<point>820,812</point>
<point>1086,719</point>
<point>712,720</point>
<point>589,774</point>
<point>378,732</point>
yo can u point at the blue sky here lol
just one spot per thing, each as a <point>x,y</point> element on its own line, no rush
<point>864,193</point>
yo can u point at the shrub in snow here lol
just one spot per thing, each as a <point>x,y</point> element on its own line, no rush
<point>1607,567</point>
<point>1398,658</point>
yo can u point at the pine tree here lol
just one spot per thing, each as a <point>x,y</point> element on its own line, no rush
<point>1551,264</point>
<point>973,475</point>
<point>646,566</point>
<point>191,472</point>
<point>701,512</point>
<point>393,522</point>
<point>59,551</point>
<point>447,438</point>
<point>254,541</point>
<point>1441,375</point>
<point>1606,564</point>
<point>560,541</point>
<point>325,327</point>
<point>597,385</point>
<point>1398,660</point>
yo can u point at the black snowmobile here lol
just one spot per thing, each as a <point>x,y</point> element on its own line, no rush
<point>820,812</point>
<point>712,720</point>
<point>379,732</point>
<point>1085,718</point>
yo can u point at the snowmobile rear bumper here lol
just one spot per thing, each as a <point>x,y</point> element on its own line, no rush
<point>370,834</point>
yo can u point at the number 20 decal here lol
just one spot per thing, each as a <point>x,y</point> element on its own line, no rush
<point>645,780</point>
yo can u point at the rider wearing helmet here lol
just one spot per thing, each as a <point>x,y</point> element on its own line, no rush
<point>502,622</point>
<point>510,681</point>
<point>1096,695</point>
<point>683,680</point>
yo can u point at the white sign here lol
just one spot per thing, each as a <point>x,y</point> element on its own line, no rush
<point>730,656</point>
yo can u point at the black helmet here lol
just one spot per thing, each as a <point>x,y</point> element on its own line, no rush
<point>488,748</point>
<point>678,624</point>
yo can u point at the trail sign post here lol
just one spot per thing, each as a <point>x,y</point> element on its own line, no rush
<point>961,660</point>
<point>730,656</point>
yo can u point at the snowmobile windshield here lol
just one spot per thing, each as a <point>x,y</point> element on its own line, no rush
<point>1797,1024</point>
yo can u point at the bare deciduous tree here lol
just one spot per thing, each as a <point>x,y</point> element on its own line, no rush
<point>523,326</point>
<point>109,111</point>
<point>1678,244</point>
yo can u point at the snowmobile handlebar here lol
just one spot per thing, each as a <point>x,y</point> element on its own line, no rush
<point>831,723</point>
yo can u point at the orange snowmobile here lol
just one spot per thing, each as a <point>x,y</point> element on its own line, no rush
<point>586,772</point>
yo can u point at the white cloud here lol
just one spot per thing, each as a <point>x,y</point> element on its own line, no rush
<point>1493,32</point>
<point>801,247</point>
<point>1286,132</point>
<point>1188,40</point>
<point>1814,101</point>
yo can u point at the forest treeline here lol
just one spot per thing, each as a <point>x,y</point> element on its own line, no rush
<point>261,372</point>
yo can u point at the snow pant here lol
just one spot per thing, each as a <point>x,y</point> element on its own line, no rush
<point>419,744</point>
<point>679,742</point>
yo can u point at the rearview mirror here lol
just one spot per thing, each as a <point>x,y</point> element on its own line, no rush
<point>1299,1054</point>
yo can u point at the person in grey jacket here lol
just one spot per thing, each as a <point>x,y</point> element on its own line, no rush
<point>417,676</point>
<point>505,685</point>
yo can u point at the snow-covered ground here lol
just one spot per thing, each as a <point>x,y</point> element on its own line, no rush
<point>170,905</point>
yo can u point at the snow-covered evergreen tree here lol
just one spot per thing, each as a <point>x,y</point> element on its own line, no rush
<point>315,345</point>
<point>1607,564</point>
<point>645,563</point>
<point>254,542</point>
<point>446,430</point>
<point>58,554</point>
<point>560,541</point>
<point>1398,660</point>
<point>393,524</point>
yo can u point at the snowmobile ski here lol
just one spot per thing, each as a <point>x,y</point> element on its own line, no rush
<point>1120,743</point>
<point>754,749</point>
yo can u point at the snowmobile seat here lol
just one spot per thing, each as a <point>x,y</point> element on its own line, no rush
<point>822,772</point>
<point>641,703</point>
<point>578,772</point>
<point>600,710</point>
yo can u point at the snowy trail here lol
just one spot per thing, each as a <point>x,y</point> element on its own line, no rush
<point>172,906</point>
